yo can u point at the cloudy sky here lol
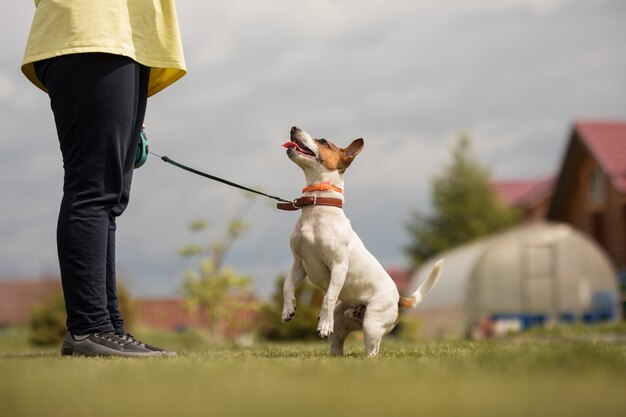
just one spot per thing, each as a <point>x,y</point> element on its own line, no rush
<point>406,75</point>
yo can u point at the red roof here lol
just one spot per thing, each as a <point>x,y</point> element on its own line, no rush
<point>607,142</point>
<point>521,192</point>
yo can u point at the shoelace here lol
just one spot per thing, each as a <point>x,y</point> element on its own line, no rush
<point>112,337</point>
<point>130,338</point>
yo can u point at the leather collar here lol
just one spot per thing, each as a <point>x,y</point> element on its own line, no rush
<point>298,203</point>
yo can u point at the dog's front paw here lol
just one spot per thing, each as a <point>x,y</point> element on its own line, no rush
<point>325,327</point>
<point>288,313</point>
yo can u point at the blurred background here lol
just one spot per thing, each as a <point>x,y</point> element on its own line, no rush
<point>487,117</point>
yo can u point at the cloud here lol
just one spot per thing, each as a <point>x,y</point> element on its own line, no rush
<point>538,7</point>
<point>406,76</point>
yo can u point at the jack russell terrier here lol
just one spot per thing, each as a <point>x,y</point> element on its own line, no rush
<point>359,294</point>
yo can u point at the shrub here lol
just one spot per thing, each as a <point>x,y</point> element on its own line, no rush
<point>302,326</point>
<point>48,320</point>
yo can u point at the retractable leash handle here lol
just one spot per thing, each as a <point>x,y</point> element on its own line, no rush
<point>141,156</point>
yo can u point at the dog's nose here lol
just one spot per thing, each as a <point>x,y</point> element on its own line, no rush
<point>295,129</point>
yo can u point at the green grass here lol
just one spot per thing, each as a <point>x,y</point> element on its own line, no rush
<point>512,377</point>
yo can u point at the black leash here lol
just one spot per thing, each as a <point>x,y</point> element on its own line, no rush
<point>218,179</point>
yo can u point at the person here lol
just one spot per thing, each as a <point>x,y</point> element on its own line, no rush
<point>99,61</point>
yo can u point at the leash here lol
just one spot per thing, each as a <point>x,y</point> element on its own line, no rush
<point>287,205</point>
<point>142,155</point>
<point>218,179</point>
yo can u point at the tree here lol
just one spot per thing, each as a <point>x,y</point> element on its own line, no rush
<point>211,284</point>
<point>465,207</point>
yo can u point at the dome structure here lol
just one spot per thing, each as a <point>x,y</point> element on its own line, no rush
<point>532,274</point>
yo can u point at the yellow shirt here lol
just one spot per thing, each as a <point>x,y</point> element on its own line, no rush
<point>144,30</point>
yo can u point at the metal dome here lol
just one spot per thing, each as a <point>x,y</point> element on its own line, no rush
<point>531,274</point>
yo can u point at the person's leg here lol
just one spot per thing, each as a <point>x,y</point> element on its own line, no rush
<point>94,98</point>
<point>112,299</point>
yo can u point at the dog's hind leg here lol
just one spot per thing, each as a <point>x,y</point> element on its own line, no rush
<point>346,321</point>
<point>378,321</point>
<point>294,279</point>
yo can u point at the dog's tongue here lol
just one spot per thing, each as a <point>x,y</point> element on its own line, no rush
<point>294,145</point>
<point>290,145</point>
<point>298,148</point>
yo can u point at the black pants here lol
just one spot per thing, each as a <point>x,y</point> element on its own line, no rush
<point>99,102</point>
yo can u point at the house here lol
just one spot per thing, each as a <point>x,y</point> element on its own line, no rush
<point>530,197</point>
<point>588,193</point>
<point>19,296</point>
<point>402,279</point>
<point>168,314</point>
<point>172,314</point>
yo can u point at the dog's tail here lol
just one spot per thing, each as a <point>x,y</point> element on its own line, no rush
<point>427,285</point>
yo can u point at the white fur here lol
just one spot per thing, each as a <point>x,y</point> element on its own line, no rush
<point>359,294</point>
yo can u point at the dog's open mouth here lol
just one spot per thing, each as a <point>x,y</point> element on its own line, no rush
<point>299,148</point>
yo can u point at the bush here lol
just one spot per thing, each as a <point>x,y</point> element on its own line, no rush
<point>302,326</point>
<point>48,320</point>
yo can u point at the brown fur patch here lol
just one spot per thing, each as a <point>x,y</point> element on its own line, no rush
<point>330,155</point>
<point>407,302</point>
<point>335,158</point>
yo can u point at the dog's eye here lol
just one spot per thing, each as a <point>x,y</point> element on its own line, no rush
<point>324,142</point>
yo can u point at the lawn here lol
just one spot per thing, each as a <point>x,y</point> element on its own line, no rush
<point>537,376</point>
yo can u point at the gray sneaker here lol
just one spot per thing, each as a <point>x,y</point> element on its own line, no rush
<point>104,344</point>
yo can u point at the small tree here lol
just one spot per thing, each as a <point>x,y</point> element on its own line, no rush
<point>209,285</point>
<point>465,207</point>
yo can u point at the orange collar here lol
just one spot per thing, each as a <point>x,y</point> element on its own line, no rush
<point>322,186</point>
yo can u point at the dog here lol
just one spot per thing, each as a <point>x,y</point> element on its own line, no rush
<point>359,294</point>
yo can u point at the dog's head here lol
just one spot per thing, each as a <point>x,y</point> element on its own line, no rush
<point>320,155</point>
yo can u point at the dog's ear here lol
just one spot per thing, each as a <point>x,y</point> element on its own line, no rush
<point>351,152</point>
